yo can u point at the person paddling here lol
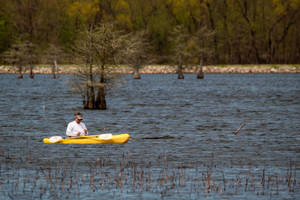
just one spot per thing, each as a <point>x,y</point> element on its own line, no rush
<point>77,127</point>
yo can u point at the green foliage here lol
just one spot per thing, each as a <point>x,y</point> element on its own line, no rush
<point>4,35</point>
<point>67,34</point>
<point>245,31</point>
<point>83,12</point>
<point>189,48</point>
<point>123,15</point>
<point>159,26</point>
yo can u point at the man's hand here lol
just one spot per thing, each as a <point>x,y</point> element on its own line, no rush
<point>78,134</point>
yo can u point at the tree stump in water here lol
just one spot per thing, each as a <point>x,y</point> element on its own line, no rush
<point>200,74</point>
<point>54,69</point>
<point>31,75</point>
<point>20,69</point>
<point>136,75</point>
<point>180,75</point>
<point>100,102</point>
<point>53,72</point>
<point>179,71</point>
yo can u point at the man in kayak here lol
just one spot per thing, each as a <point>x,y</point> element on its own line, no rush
<point>77,127</point>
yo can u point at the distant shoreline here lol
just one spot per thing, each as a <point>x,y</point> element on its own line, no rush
<point>167,69</point>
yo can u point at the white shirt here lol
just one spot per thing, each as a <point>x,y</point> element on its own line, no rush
<point>73,128</point>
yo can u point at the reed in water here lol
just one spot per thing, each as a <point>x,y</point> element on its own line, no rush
<point>23,178</point>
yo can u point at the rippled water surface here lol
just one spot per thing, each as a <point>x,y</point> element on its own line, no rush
<point>182,143</point>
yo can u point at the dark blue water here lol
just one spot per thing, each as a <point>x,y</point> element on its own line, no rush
<point>182,143</point>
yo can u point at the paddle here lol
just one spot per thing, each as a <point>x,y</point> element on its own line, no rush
<point>55,139</point>
<point>106,136</point>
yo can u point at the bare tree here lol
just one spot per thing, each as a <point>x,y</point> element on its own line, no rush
<point>14,57</point>
<point>53,55</point>
<point>136,52</point>
<point>21,55</point>
<point>200,73</point>
<point>189,48</point>
<point>30,57</point>
<point>84,82</point>
<point>179,56</point>
<point>199,48</point>
<point>97,50</point>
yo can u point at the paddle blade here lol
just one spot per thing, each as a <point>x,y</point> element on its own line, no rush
<point>55,139</point>
<point>106,136</point>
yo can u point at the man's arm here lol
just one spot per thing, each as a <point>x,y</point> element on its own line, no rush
<point>85,129</point>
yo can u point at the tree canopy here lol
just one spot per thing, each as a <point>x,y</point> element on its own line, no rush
<point>245,31</point>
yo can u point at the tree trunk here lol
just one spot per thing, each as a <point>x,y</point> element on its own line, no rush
<point>281,39</point>
<point>200,74</point>
<point>244,11</point>
<point>54,69</point>
<point>91,98</point>
<point>90,93</point>
<point>253,42</point>
<point>179,71</point>
<point>227,47</point>
<point>20,75</point>
<point>213,28</point>
<point>101,101</point>
<point>56,66</point>
<point>136,74</point>
<point>31,75</point>
<point>53,72</point>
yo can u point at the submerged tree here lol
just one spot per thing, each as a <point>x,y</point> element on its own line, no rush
<point>199,48</point>
<point>30,57</point>
<point>136,52</point>
<point>179,38</point>
<point>189,48</point>
<point>53,55</point>
<point>14,57</point>
<point>97,50</point>
<point>21,55</point>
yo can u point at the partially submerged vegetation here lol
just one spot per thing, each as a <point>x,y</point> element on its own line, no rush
<point>27,178</point>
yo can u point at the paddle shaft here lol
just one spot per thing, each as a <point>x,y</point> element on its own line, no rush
<point>82,137</point>
<point>93,137</point>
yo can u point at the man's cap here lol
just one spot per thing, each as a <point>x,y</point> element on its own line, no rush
<point>79,116</point>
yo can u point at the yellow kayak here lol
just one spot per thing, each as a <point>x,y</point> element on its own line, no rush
<point>90,139</point>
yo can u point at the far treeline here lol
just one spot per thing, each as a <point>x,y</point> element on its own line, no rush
<point>98,34</point>
<point>244,31</point>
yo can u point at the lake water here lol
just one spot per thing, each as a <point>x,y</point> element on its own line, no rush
<point>182,143</point>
